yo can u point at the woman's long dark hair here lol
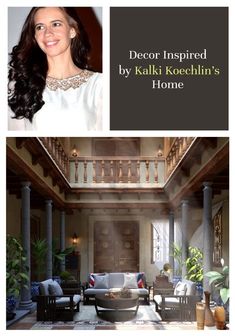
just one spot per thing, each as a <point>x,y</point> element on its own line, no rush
<point>28,66</point>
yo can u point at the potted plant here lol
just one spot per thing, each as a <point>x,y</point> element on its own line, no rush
<point>58,256</point>
<point>16,273</point>
<point>66,276</point>
<point>221,282</point>
<point>194,267</point>
<point>39,251</point>
<point>177,255</point>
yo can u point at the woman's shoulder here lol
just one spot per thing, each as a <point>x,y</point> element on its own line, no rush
<point>94,76</point>
<point>94,81</point>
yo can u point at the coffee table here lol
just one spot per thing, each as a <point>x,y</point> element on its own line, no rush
<point>117,304</point>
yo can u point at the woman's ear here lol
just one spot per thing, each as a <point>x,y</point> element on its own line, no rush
<point>72,33</point>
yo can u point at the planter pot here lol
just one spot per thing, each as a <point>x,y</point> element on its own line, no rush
<point>10,307</point>
<point>220,317</point>
<point>199,289</point>
<point>34,290</point>
<point>57,279</point>
<point>209,318</point>
<point>200,315</point>
<point>176,279</point>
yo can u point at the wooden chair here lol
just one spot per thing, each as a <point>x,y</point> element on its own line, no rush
<point>180,305</point>
<point>56,307</point>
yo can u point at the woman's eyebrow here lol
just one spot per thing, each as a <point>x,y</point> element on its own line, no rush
<point>40,23</point>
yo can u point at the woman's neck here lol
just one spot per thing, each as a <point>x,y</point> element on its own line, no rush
<point>61,68</point>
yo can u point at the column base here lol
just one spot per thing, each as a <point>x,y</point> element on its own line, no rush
<point>27,305</point>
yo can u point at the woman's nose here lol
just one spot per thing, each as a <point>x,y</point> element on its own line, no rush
<point>49,30</point>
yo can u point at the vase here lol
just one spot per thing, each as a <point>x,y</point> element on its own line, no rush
<point>209,318</point>
<point>34,290</point>
<point>10,307</point>
<point>219,317</point>
<point>200,315</point>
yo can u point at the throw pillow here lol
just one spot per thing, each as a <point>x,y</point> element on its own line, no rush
<point>101,281</point>
<point>180,288</point>
<point>130,281</point>
<point>140,279</point>
<point>55,289</point>
<point>91,280</point>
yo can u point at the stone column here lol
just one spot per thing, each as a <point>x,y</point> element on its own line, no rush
<point>25,299</point>
<point>62,238</point>
<point>184,227</point>
<point>49,239</point>
<point>171,239</point>
<point>207,233</point>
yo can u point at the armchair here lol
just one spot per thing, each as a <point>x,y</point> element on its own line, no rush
<point>53,305</point>
<point>182,301</point>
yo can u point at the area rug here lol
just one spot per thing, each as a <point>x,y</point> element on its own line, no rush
<point>87,319</point>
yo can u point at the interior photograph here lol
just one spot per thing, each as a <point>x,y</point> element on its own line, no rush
<point>117,233</point>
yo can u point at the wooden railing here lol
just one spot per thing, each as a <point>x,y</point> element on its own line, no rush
<point>56,151</point>
<point>176,152</point>
<point>114,170</point>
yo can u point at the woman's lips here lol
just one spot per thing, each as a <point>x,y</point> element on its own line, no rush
<point>51,43</point>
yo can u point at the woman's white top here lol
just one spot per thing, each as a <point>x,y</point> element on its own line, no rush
<point>73,104</point>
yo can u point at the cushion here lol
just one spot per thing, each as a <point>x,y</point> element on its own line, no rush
<point>101,281</point>
<point>65,301</point>
<point>55,289</point>
<point>44,290</point>
<point>130,281</point>
<point>91,280</point>
<point>116,280</point>
<point>190,287</point>
<point>140,280</point>
<point>180,288</point>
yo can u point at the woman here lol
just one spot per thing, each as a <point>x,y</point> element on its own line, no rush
<point>50,86</point>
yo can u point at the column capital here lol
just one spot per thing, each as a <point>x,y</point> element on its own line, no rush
<point>185,202</point>
<point>48,201</point>
<point>171,212</point>
<point>25,184</point>
<point>207,184</point>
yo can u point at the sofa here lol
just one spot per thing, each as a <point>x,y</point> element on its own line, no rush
<point>182,301</point>
<point>105,282</point>
<point>53,304</point>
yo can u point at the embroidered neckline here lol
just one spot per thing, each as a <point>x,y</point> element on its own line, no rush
<point>72,82</point>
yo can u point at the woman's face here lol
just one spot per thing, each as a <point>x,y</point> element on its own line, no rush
<point>52,31</point>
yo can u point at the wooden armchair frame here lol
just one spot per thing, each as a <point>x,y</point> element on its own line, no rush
<point>49,310</point>
<point>186,306</point>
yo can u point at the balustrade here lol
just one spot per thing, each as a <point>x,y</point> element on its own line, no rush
<point>115,170</point>
<point>56,151</point>
<point>177,150</point>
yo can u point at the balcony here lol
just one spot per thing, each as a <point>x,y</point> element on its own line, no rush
<point>116,171</point>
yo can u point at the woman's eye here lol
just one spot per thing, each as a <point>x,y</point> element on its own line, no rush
<point>39,27</point>
<point>56,24</point>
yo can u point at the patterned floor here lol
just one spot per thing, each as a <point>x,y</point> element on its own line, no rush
<point>87,319</point>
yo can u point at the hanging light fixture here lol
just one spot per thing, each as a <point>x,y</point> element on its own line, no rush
<point>75,238</point>
<point>74,151</point>
<point>159,151</point>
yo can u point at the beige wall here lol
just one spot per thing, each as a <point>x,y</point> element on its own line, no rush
<point>82,223</point>
<point>148,146</point>
<point>13,215</point>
